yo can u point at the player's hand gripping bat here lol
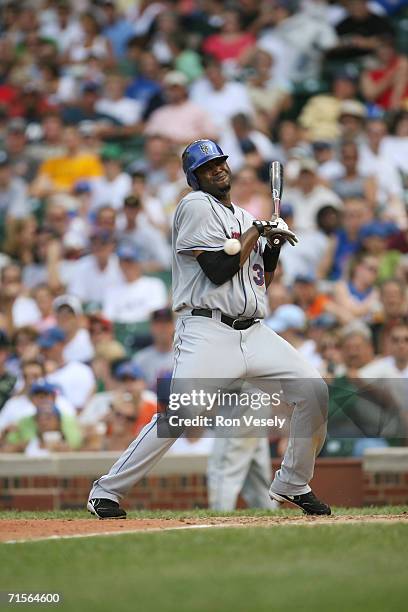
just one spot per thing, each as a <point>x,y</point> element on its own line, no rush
<point>279,235</point>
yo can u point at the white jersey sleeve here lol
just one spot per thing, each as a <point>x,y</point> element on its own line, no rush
<point>199,225</point>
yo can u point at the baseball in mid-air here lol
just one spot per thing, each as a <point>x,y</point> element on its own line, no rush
<point>232,246</point>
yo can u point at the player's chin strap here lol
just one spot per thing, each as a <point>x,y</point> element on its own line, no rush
<point>274,229</point>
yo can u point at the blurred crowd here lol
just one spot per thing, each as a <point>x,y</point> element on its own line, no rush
<point>97,100</point>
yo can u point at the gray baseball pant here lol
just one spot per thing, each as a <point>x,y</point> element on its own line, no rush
<point>206,348</point>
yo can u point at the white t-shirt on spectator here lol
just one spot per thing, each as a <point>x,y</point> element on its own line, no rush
<point>395,149</point>
<point>306,205</point>
<point>305,258</point>
<point>133,302</point>
<point>224,103</point>
<point>20,407</point>
<point>76,381</point>
<point>110,193</point>
<point>154,364</point>
<point>99,406</point>
<point>126,110</point>
<point>90,283</point>
<point>25,312</point>
<point>80,348</point>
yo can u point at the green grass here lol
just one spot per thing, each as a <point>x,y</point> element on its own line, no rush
<point>179,514</point>
<point>357,567</point>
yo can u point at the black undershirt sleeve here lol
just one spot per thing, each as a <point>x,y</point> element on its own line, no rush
<point>270,258</point>
<point>218,266</point>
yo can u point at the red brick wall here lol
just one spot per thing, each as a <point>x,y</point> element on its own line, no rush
<point>339,481</point>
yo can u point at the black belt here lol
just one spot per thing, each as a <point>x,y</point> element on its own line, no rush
<point>235,323</point>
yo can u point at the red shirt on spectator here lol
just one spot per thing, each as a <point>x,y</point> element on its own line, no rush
<point>223,50</point>
<point>384,99</point>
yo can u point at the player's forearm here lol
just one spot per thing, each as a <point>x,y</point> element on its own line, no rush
<point>248,241</point>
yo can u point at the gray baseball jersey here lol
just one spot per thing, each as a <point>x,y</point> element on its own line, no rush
<point>207,348</point>
<point>202,223</point>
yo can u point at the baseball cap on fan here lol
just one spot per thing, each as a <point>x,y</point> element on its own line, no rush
<point>175,77</point>
<point>128,369</point>
<point>71,301</point>
<point>287,316</point>
<point>51,337</point>
<point>128,252</point>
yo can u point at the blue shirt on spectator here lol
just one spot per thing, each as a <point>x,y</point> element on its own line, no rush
<point>119,34</point>
<point>345,249</point>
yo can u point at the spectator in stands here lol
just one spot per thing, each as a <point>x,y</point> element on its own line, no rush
<point>393,309</point>
<point>352,120</point>
<point>397,359</point>
<point>7,380</point>
<point>43,297</point>
<point>75,379</point>
<point>248,146</point>
<point>62,173</point>
<point>109,354</point>
<point>50,143</point>
<point>251,194</point>
<point>373,241</point>
<point>229,45</point>
<point>78,345</point>
<point>24,166</point>
<point>16,306</point>
<point>156,361</point>
<point>19,239</point>
<point>306,294</point>
<point>163,42</point>
<point>289,321</point>
<point>134,226</point>
<point>117,30</point>
<point>373,161</point>
<point>354,215</point>
<point>115,103</point>
<point>105,219</point>
<point>360,32</point>
<point>91,44</point>
<point>146,88</point>
<point>13,192</point>
<point>269,94</point>
<point>125,410</point>
<point>357,297</point>
<point>25,346</point>
<point>302,54</point>
<point>308,196</point>
<point>221,98</point>
<point>48,430</point>
<point>114,185</point>
<point>386,84</point>
<point>351,183</point>
<point>180,120</point>
<point>149,172</point>
<point>353,414</point>
<point>329,167</point>
<point>64,29</point>
<point>321,112</point>
<point>328,348</point>
<point>96,272</point>
<point>137,296</point>
<point>20,406</point>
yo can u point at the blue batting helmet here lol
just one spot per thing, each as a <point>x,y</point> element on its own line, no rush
<point>197,154</point>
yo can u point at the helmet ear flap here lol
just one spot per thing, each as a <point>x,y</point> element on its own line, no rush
<point>192,180</point>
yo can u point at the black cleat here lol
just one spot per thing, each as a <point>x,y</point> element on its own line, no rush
<point>307,502</point>
<point>105,509</point>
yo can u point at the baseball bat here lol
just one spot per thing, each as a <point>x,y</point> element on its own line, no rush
<point>276,182</point>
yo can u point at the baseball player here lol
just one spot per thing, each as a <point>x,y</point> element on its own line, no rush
<point>220,302</point>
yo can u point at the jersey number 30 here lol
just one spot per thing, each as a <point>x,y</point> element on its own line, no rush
<point>259,276</point>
